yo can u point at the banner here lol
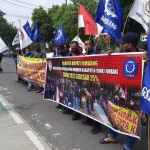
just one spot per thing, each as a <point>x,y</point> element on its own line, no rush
<point>32,70</point>
<point>104,88</point>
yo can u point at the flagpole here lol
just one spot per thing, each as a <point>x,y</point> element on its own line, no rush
<point>19,35</point>
<point>78,19</point>
<point>127,18</point>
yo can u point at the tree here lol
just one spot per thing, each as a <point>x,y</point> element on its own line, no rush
<point>67,15</point>
<point>7,31</point>
<point>41,17</point>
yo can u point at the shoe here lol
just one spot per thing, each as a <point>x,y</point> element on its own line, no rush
<point>17,81</point>
<point>1,70</point>
<point>96,131</point>
<point>39,91</point>
<point>124,148</point>
<point>29,90</point>
<point>59,106</point>
<point>66,112</point>
<point>74,118</point>
<point>107,140</point>
<point>42,93</point>
<point>86,122</point>
<point>81,107</point>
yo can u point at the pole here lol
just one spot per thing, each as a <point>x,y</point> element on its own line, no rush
<point>66,2</point>
<point>148,132</point>
<point>127,18</point>
<point>78,31</point>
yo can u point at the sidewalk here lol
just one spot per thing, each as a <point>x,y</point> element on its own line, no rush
<point>15,132</point>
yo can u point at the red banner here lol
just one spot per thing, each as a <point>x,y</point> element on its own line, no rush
<point>102,87</point>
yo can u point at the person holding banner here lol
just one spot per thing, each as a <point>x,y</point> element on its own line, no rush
<point>30,55</point>
<point>128,43</point>
<point>142,46</point>
<point>90,50</point>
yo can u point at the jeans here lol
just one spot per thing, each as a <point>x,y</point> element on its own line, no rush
<point>76,103</point>
<point>65,102</point>
<point>29,85</point>
<point>89,107</point>
<point>129,142</point>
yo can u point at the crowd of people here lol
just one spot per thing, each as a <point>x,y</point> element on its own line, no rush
<point>128,43</point>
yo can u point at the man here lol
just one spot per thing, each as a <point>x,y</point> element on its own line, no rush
<point>128,43</point>
<point>30,55</point>
<point>56,51</point>
<point>67,51</point>
<point>42,55</point>
<point>15,56</point>
<point>89,48</point>
<point>74,45</point>
<point>142,46</point>
<point>1,56</point>
<point>62,52</point>
<point>75,48</point>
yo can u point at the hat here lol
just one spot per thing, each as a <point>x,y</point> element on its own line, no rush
<point>142,44</point>
<point>129,37</point>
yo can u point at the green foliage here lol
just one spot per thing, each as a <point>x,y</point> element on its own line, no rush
<point>67,15</point>
<point>41,17</point>
<point>7,31</point>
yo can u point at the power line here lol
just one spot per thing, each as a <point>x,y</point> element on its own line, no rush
<point>17,4</point>
<point>17,16</point>
<point>46,2</point>
<point>22,2</point>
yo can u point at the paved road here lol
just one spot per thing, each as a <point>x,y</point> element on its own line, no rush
<point>54,127</point>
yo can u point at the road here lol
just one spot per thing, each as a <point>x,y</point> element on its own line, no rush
<point>55,128</point>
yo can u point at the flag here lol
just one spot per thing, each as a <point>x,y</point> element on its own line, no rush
<point>25,35</point>
<point>35,33</point>
<point>109,14</point>
<point>60,36</point>
<point>3,46</point>
<point>141,13</point>
<point>86,20</point>
<point>81,44</point>
<point>16,39</point>
<point>145,97</point>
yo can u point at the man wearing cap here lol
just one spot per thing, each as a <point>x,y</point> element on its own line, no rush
<point>128,43</point>
<point>142,46</point>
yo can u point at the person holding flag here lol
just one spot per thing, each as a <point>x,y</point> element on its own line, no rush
<point>3,47</point>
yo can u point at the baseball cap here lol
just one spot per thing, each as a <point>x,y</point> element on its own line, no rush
<point>142,44</point>
<point>129,37</point>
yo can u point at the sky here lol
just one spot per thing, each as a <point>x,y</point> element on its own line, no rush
<point>16,10</point>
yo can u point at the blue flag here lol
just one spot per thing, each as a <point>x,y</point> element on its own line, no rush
<point>110,15</point>
<point>36,33</point>
<point>145,98</point>
<point>60,36</point>
<point>28,30</point>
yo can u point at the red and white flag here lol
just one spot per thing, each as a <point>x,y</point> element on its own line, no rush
<point>86,20</point>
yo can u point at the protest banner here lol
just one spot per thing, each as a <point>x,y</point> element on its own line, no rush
<point>104,88</point>
<point>32,70</point>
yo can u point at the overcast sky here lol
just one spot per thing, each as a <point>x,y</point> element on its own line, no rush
<point>22,9</point>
